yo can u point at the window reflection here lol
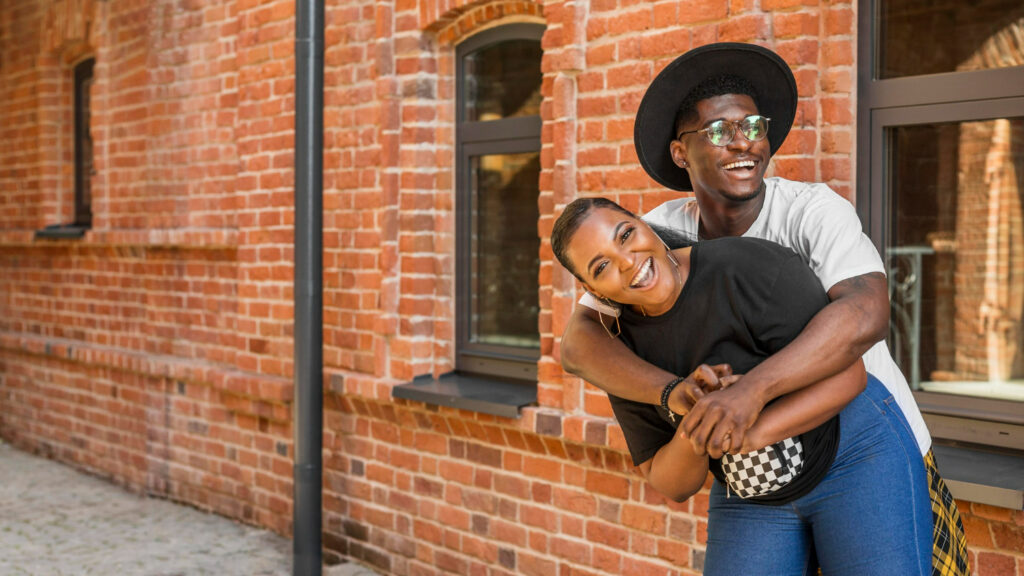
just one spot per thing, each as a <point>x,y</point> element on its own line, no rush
<point>83,143</point>
<point>936,36</point>
<point>956,256</point>
<point>505,249</point>
<point>503,81</point>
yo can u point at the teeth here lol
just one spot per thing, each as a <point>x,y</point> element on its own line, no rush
<point>741,164</point>
<point>642,274</point>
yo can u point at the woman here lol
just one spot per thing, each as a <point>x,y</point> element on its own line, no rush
<point>849,489</point>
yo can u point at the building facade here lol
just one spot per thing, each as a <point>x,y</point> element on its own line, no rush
<point>146,253</point>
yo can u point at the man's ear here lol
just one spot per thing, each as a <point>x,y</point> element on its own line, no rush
<point>678,151</point>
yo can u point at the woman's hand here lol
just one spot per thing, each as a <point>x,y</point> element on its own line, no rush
<point>701,382</point>
<point>718,422</point>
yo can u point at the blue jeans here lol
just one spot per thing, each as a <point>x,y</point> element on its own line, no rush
<point>870,515</point>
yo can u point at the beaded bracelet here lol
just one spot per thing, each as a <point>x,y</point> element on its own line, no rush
<point>666,392</point>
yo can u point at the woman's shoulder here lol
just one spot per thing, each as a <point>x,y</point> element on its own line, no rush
<point>741,249</point>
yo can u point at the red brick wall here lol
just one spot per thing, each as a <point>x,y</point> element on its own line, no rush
<point>157,350</point>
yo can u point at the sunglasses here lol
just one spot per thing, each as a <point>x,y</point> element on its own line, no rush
<point>721,132</point>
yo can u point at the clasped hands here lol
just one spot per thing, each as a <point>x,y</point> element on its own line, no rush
<point>717,414</point>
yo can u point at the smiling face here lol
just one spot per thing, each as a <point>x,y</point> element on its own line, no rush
<point>731,173</point>
<point>620,258</point>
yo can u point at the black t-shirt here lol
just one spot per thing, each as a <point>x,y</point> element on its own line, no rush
<point>744,300</point>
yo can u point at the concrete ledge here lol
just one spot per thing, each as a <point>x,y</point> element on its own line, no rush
<point>976,475</point>
<point>61,231</point>
<point>475,393</point>
<point>187,238</point>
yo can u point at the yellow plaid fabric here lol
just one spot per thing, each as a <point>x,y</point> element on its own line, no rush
<point>949,551</point>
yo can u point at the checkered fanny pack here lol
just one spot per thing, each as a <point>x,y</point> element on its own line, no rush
<point>763,471</point>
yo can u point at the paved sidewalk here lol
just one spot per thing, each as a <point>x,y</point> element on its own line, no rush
<point>56,521</point>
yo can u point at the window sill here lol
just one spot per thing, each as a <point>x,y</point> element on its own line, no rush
<point>474,393</point>
<point>61,231</point>
<point>187,238</point>
<point>980,476</point>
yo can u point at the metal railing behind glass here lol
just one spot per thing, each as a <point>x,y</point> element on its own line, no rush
<point>905,272</point>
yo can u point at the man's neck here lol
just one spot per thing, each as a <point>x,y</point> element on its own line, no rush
<point>721,218</point>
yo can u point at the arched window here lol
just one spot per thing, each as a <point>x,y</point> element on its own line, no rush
<point>498,75</point>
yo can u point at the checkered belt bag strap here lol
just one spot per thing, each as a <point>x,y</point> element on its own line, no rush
<point>763,471</point>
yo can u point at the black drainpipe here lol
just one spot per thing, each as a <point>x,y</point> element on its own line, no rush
<point>308,417</point>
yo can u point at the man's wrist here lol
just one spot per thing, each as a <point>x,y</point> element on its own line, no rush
<point>755,388</point>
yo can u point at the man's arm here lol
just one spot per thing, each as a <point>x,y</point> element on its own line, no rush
<point>677,471</point>
<point>797,412</point>
<point>588,352</point>
<point>840,333</point>
<point>856,318</point>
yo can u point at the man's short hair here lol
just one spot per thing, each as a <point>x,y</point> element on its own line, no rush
<point>709,88</point>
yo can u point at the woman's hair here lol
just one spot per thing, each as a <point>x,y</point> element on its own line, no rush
<point>577,211</point>
<point>569,222</point>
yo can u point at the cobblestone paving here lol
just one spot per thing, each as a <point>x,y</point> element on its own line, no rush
<point>56,521</point>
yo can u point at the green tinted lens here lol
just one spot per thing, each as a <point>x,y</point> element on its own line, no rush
<point>720,132</point>
<point>755,128</point>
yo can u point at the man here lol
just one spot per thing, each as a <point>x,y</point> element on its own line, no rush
<point>701,127</point>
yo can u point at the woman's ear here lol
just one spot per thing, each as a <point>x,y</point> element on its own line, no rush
<point>678,151</point>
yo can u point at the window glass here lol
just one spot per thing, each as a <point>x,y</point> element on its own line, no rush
<point>83,144</point>
<point>936,36</point>
<point>503,81</point>
<point>956,255</point>
<point>504,249</point>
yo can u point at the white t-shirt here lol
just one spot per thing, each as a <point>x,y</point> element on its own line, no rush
<point>823,228</point>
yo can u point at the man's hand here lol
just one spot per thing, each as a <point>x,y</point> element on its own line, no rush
<point>719,421</point>
<point>701,382</point>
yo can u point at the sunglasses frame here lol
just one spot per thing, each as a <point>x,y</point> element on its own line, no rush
<point>736,128</point>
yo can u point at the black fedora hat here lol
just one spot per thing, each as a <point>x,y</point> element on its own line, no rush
<point>655,119</point>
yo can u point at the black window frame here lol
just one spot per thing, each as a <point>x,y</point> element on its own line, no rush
<point>478,138</point>
<point>930,99</point>
<point>83,77</point>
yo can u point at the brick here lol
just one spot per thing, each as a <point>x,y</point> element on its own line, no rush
<point>544,468</point>
<point>533,565</point>
<point>993,564</point>
<point>745,28</point>
<point>635,21</point>
<point>538,517</point>
<point>786,4</point>
<point>696,11</point>
<point>644,519</point>
<point>795,24</point>
<point>607,534</point>
<point>1008,537</point>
